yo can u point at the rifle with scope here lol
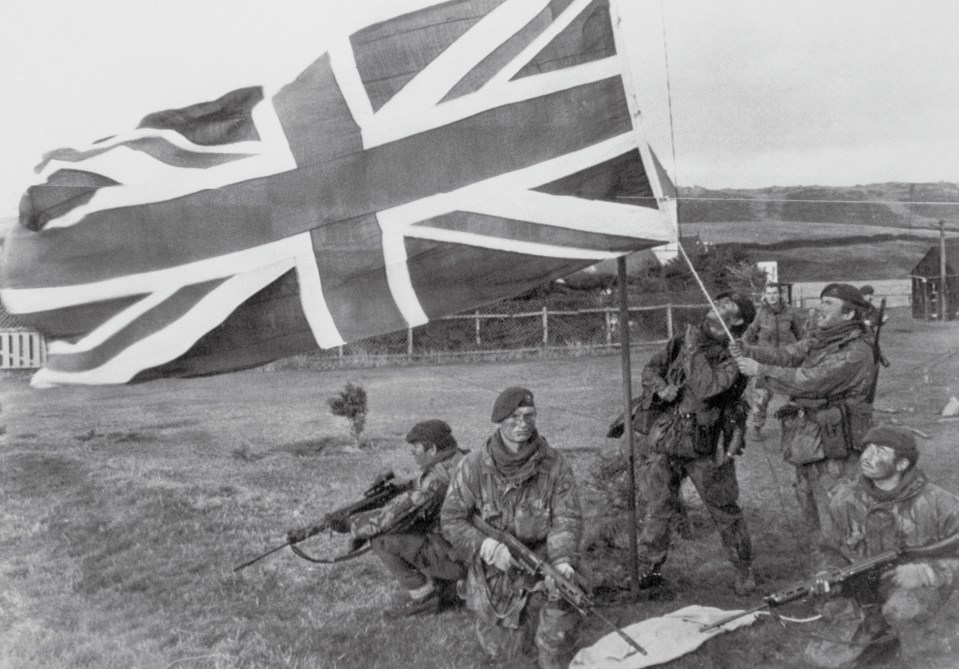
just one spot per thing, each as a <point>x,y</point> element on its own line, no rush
<point>383,489</point>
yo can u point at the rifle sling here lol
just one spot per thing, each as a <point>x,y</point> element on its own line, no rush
<point>339,558</point>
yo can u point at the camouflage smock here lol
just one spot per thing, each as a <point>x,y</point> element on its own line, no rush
<point>417,510</point>
<point>867,521</point>
<point>831,368</point>
<point>541,509</point>
<point>818,367</point>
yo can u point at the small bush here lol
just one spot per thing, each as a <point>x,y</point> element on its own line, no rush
<point>350,403</point>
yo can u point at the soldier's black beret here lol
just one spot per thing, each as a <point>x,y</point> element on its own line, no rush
<point>896,438</point>
<point>509,401</point>
<point>434,431</point>
<point>845,292</point>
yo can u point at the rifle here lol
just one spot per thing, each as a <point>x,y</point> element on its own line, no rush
<point>529,562</point>
<point>877,355</point>
<point>944,548</point>
<point>382,490</point>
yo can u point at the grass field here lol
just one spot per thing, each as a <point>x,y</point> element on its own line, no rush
<point>123,511</point>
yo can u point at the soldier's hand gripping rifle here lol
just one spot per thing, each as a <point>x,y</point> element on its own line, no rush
<point>834,578</point>
<point>531,563</point>
<point>382,490</point>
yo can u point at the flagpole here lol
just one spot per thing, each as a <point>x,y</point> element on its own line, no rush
<point>628,423</point>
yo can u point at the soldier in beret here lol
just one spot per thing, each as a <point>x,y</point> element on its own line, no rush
<point>518,484</point>
<point>891,505</point>
<point>828,377</point>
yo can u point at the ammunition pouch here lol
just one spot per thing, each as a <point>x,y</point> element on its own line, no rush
<point>685,434</point>
<point>830,430</point>
<point>801,441</point>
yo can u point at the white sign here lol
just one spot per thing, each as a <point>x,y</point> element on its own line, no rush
<point>771,268</point>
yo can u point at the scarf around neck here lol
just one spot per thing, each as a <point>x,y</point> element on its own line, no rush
<point>823,337</point>
<point>911,481</point>
<point>516,467</point>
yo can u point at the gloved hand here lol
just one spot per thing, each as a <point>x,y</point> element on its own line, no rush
<point>566,570</point>
<point>912,575</point>
<point>495,553</point>
<point>339,522</point>
<point>298,535</point>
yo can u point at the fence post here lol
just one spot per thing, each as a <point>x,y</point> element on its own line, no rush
<point>609,327</point>
<point>669,321</point>
<point>545,327</point>
<point>409,342</point>
<point>479,342</point>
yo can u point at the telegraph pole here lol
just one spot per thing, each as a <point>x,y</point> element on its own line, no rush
<point>943,301</point>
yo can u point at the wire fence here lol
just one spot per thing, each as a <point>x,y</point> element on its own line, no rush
<point>510,329</point>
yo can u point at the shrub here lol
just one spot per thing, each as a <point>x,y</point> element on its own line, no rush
<point>350,403</point>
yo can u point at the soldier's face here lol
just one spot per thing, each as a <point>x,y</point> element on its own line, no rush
<point>830,312</point>
<point>878,463</point>
<point>771,295</point>
<point>518,427</point>
<point>422,452</point>
<point>729,311</point>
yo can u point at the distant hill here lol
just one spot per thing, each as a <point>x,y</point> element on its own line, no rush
<point>897,205</point>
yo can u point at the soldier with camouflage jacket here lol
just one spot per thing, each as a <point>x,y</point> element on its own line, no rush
<point>828,377</point>
<point>697,377</point>
<point>404,534</point>
<point>520,485</point>
<point>890,506</point>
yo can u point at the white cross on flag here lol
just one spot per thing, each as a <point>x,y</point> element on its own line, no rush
<point>451,155</point>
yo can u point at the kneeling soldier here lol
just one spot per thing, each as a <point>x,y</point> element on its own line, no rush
<point>404,534</point>
<point>891,505</point>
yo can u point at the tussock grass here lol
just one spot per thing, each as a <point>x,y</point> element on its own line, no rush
<point>117,549</point>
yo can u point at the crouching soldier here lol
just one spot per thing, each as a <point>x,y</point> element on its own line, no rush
<point>404,534</point>
<point>518,484</point>
<point>890,506</point>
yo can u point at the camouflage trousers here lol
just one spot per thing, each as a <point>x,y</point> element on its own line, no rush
<point>815,484</point>
<point>717,488</point>
<point>507,627</point>
<point>856,625</point>
<point>413,558</point>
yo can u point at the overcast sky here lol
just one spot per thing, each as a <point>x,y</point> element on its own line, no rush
<point>763,92</point>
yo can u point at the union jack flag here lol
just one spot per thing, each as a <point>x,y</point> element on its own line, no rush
<point>450,155</point>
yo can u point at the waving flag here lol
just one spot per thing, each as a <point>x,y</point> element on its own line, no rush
<point>450,155</point>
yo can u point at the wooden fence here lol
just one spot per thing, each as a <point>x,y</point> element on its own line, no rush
<point>22,349</point>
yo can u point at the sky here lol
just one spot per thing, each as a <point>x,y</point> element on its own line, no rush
<point>735,93</point>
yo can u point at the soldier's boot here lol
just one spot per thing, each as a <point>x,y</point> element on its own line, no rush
<point>745,582</point>
<point>414,607</point>
<point>423,600</point>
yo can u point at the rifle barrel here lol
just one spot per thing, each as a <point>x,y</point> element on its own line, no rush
<point>260,557</point>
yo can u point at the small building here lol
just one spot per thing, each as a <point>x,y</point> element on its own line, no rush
<point>927,283</point>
